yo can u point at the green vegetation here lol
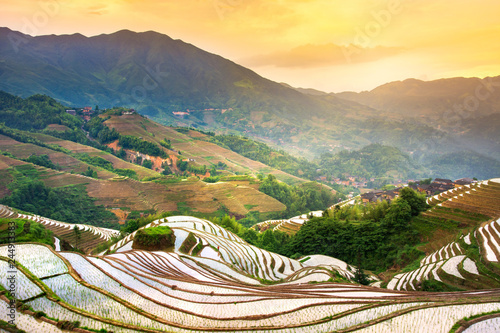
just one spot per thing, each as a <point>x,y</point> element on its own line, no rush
<point>10,328</point>
<point>454,165</point>
<point>101,132</point>
<point>166,143</point>
<point>145,147</point>
<point>34,113</point>
<point>95,160</point>
<point>155,238</point>
<point>298,199</point>
<point>188,243</point>
<point>42,160</point>
<point>270,240</point>
<point>375,237</point>
<point>70,204</point>
<point>373,161</point>
<point>26,138</point>
<point>25,231</point>
<point>261,152</point>
<point>182,165</point>
<point>212,179</point>
<point>437,286</point>
<point>147,164</point>
<point>90,173</point>
<point>105,164</point>
<point>137,221</point>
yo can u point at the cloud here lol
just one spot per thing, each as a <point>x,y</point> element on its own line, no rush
<point>322,55</point>
<point>97,10</point>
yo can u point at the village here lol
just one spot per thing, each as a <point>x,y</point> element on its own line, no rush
<point>428,187</point>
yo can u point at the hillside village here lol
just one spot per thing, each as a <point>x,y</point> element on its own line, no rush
<point>437,186</point>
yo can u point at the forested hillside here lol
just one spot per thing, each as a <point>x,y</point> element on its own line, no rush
<point>195,88</point>
<point>93,171</point>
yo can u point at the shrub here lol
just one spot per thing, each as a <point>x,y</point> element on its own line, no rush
<point>156,238</point>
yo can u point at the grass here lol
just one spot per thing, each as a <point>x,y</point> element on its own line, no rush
<point>155,238</point>
<point>188,243</point>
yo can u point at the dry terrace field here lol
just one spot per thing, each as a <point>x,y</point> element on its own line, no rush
<point>204,153</point>
<point>91,151</point>
<point>194,195</point>
<point>67,163</point>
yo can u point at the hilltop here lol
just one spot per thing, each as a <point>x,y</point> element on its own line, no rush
<point>175,83</point>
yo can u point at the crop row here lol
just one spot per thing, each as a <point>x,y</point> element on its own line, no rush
<point>22,286</point>
<point>36,258</point>
<point>451,266</point>
<point>430,320</point>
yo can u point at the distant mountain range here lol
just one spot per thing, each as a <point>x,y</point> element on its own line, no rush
<point>434,100</point>
<point>148,71</point>
<point>177,83</point>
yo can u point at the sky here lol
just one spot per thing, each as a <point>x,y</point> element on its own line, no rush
<point>329,45</point>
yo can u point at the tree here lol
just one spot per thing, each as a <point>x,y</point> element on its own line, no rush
<point>78,236</point>
<point>182,165</point>
<point>360,277</point>
<point>416,200</point>
<point>147,164</point>
<point>398,215</point>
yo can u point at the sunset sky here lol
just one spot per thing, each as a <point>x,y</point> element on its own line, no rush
<point>324,44</point>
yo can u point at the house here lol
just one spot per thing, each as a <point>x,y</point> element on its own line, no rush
<point>463,181</point>
<point>443,181</point>
<point>130,111</point>
<point>390,195</point>
<point>71,112</point>
<point>368,197</point>
<point>373,196</point>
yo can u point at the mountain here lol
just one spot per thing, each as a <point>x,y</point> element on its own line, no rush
<point>467,107</point>
<point>434,100</point>
<point>176,83</point>
<point>157,76</point>
<point>148,71</point>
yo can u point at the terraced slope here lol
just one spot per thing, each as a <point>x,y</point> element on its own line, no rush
<point>217,249</point>
<point>470,262</point>
<point>292,225</point>
<point>289,226</point>
<point>142,291</point>
<point>192,146</point>
<point>239,197</point>
<point>90,236</point>
<point>468,201</point>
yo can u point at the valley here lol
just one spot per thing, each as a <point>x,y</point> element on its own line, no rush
<point>157,180</point>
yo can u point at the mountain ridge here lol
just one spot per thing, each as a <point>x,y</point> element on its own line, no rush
<point>158,76</point>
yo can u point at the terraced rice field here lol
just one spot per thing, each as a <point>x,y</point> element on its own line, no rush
<point>471,261</point>
<point>141,291</point>
<point>220,288</point>
<point>90,236</point>
<point>482,198</point>
<point>289,226</point>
